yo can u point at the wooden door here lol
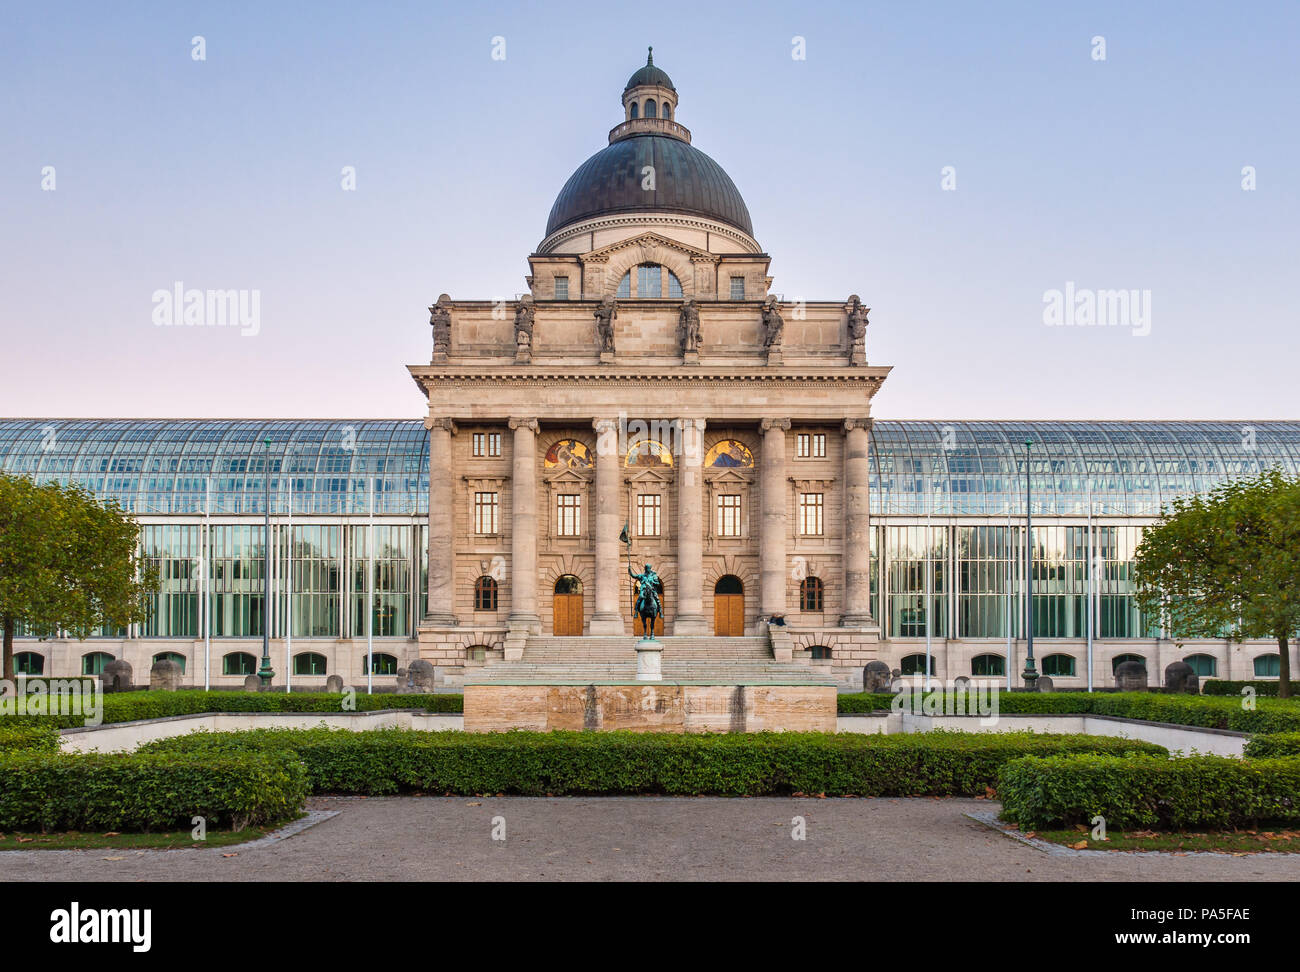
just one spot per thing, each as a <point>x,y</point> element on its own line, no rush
<point>567,610</point>
<point>729,615</point>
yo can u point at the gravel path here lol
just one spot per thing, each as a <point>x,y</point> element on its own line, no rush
<point>640,839</point>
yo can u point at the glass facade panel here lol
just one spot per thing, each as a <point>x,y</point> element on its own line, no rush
<point>391,578</point>
<point>910,558</point>
<point>312,570</point>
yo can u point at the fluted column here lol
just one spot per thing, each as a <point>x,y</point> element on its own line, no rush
<point>857,523</point>
<point>689,618</point>
<point>772,529</point>
<point>441,606</point>
<point>523,528</point>
<point>608,616</point>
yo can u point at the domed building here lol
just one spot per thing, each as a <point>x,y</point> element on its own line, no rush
<point>651,398</point>
<point>650,385</point>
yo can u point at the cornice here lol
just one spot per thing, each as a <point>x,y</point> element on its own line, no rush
<point>695,375</point>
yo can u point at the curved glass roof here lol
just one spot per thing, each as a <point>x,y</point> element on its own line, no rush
<point>163,466</point>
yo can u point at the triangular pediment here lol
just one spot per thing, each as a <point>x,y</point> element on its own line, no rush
<point>563,476</point>
<point>650,474</point>
<point>650,245</point>
<point>730,475</point>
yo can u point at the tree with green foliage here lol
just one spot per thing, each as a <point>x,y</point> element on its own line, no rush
<point>1227,564</point>
<point>67,563</point>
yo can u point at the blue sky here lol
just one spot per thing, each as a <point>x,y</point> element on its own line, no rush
<point>225,173</point>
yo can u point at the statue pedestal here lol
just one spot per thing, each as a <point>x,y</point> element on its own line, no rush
<point>690,357</point>
<point>440,357</point>
<point>774,359</point>
<point>858,357</point>
<point>649,661</point>
<point>523,357</point>
<point>607,357</point>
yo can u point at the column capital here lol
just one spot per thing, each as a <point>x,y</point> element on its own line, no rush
<point>525,423</point>
<point>857,423</point>
<point>692,423</point>
<point>441,422</point>
<point>768,424</point>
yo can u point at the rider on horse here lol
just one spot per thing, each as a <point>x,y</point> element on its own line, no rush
<point>648,606</point>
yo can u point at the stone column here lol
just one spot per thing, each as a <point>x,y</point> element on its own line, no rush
<point>523,528</point>
<point>857,524</point>
<point>608,616</point>
<point>689,618</point>
<point>772,530</point>
<point>441,607</point>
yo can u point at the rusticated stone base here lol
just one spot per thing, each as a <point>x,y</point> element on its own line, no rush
<point>665,707</point>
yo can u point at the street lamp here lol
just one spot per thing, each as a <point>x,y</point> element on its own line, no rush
<point>265,673</point>
<point>1030,675</point>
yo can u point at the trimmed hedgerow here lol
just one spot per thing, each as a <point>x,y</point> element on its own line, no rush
<point>133,706</point>
<point>21,736</point>
<point>563,763</point>
<point>148,792</point>
<point>1273,744</point>
<point>1268,715</point>
<point>1139,791</point>
<point>1223,686</point>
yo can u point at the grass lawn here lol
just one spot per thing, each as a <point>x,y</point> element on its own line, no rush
<point>73,840</point>
<point>1219,842</point>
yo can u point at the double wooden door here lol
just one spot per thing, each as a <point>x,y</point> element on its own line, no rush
<point>568,615</point>
<point>729,615</point>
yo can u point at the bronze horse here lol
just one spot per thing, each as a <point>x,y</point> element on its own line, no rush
<point>648,607</point>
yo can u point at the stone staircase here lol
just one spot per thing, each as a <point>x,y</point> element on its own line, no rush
<point>613,658</point>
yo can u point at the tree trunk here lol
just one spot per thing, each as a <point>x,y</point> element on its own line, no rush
<point>1283,669</point>
<point>9,648</point>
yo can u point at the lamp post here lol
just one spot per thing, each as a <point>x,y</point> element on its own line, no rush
<point>265,673</point>
<point>1030,675</point>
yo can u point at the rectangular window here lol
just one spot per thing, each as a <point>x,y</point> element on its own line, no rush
<point>487,444</point>
<point>810,514</point>
<point>729,515</point>
<point>648,506</point>
<point>561,288</point>
<point>568,515</point>
<point>819,446</point>
<point>487,510</point>
<point>811,445</point>
<point>737,288</point>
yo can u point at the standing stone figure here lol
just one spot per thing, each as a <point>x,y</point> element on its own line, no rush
<point>440,320</point>
<point>688,327</point>
<point>606,314</point>
<point>524,329</point>
<point>858,329</point>
<point>773,325</point>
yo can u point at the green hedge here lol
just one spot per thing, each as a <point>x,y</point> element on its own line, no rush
<point>22,736</point>
<point>1148,792</point>
<point>1269,715</point>
<point>148,792</point>
<point>1220,686</point>
<point>132,706</point>
<point>562,763</point>
<point>1273,744</point>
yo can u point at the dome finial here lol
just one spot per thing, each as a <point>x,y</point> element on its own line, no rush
<point>650,57</point>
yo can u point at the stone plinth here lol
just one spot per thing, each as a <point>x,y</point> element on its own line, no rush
<point>649,661</point>
<point>659,707</point>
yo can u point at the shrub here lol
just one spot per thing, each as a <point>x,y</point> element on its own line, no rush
<point>148,792</point>
<point>1273,744</point>
<point>1219,686</point>
<point>24,736</point>
<point>851,702</point>
<point>1144,791</point>
<point>561,763</point>
<point>133,706</point>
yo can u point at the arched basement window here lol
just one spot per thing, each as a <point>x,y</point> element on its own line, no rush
<point>1268,666</point>
<point>309,663</point>
<point>1059,666</point>
<point>988,665</point>
<point>29,663</point>
<point>915,665</point>
<point>1206,666</point>
<point>238,663</point>
<point>1121,659</point>
<point>93,663</point>
<point>384,664</point>
<point>175,656</point>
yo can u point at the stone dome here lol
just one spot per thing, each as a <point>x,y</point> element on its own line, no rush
<point>650,75</point>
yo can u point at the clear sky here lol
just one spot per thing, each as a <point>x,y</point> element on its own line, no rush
<point>225,173</point>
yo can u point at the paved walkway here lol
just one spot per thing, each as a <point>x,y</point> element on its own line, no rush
<point>640,839</point>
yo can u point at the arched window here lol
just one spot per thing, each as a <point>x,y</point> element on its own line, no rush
<point>729,454</point>
<point>1059,666</point>
<point>811,595</point>
<point>485,594</point>
<point>635,109</point>
<point>239,663</point>
<point>308,663</point>
<point>175,656</point>
<point>93,663</point>
<point>915,665</point>
<point>650,108</point>
<point>987,666</point>
<point>652,282</point>
<point>1121,659</point>
<point>1206,666</point>
<point>1268,666</point>
<point>729,584</point>
<point>568,584</point>
<point>668,110</point>
<point>820,652</point>
<point>29,663</point>
<point>383,664</point>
